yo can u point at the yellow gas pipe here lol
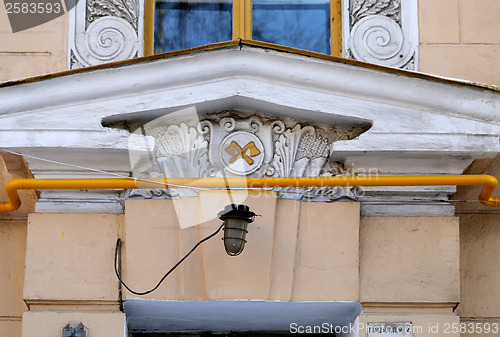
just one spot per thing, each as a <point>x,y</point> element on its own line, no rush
<point>489,183</point>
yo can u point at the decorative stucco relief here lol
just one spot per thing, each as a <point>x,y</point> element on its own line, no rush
<point>383,32</point>
<point>104,31</point>
<point>236,144</point>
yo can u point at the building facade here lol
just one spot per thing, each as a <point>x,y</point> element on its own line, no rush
<point>352,261</point>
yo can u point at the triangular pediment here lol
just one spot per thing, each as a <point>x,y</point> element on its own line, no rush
<point>414,123</point>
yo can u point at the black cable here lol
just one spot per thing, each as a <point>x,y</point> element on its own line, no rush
<point>120,290</point>
<point>118,244</point>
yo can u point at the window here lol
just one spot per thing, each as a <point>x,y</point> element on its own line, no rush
<point>187,24</point>
<point>299,24</point>
<point>312,25</point>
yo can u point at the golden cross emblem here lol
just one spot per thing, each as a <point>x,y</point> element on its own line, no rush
<point>235,150</point>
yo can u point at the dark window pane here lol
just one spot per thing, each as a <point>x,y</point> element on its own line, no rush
<point>187,24</point>
<point>299,24</point>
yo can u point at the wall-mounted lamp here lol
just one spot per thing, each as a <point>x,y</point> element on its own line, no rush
<point>236,219</point>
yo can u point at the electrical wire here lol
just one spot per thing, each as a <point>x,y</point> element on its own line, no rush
<point>99,171</point>
<point>118,245</point>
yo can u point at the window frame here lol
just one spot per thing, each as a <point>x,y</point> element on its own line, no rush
<point>242,24</point>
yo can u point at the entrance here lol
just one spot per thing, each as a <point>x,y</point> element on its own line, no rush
<point>243,318</point>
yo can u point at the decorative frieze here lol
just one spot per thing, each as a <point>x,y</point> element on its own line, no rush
<point>383,32</point>
<point>104,31</point>
<point>236,144</point>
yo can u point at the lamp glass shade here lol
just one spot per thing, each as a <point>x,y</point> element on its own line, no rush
<point>235,231</point>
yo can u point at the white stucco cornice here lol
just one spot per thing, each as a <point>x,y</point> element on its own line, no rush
<point>258,64</point>
<point>420,124</point>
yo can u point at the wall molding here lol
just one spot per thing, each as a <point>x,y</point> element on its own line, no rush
<point>103,31</point>
<point>383,32</point>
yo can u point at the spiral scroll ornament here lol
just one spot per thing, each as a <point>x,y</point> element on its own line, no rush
<point>228,123</point>
<point>110,39</point>
<point>379,39</point>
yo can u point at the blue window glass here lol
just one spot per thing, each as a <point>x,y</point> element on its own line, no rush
<point>294,23</point>
<point>188,23</point>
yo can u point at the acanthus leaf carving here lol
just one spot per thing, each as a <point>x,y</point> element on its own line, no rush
<point>286,150</point>
<point>182,152</point>
<point>125,9</point>
<point>363,8</point>
<point>212,146</point>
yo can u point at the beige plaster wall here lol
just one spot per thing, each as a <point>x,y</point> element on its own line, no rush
<point>409,272</point>
<point>480,268</point>
<point>399,268</point>
<point>50,323</point>
<point>69,258</point>
<point>409,259</point>
<point>459,39</point>
<point>427,320</point>
<point>12,256</point>
<point>36,51</point>
<point>69,276</point>
<point>479,263</point>
<point>295,251</point>
<point>13,230</point>
<point>303,245</point>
